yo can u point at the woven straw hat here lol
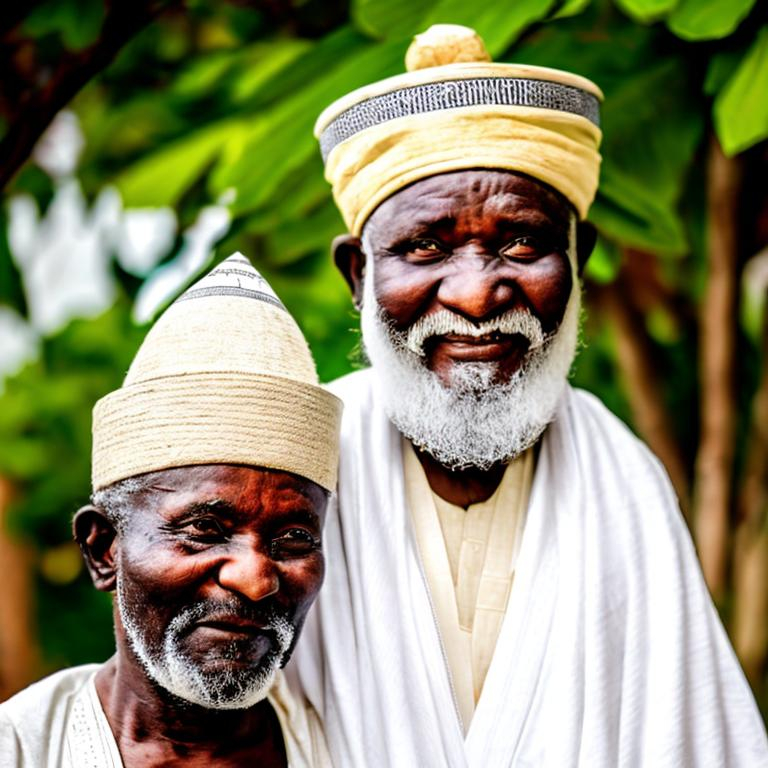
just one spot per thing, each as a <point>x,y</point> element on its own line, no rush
<point>225,376</point>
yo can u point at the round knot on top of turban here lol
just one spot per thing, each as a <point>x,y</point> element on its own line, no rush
<point>445,44</point>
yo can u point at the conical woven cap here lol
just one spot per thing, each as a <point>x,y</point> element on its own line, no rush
<point>230,320</point>
<point>224,377</point>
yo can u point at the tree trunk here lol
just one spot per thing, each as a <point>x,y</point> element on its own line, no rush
<point>18,646</point>
<point>750,615</point>
<point>714,463</point>
<point>639,370</point>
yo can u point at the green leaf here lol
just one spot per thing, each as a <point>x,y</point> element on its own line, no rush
<point>652,122</point>
<point>741,107</point>
<point>316,62</point>
<point>11,288</point>
<point>203,74</point>
<point>296,238</point>
<point>264,63</point>
<point>283,141</point>
<point>387,19</point>
<point>708,19</point>
<point>77,21</point>
<point>604,263</point>
<point>721,68</point>
<point>646,10</point>
<point>646,159</point>
<point>498,23</point>
<point>570,8</point>
<point>160,178</point>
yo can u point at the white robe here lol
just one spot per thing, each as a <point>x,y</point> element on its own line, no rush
<point>59,722</point>
<point>610,654</point>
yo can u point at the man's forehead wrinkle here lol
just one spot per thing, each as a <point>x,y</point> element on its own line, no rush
<point>531,217</point>
<point>439,199</point>
<point>161,489</point>
<point>197,505</point>
<point>420,196</point>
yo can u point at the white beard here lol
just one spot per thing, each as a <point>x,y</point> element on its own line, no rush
<point>177,673</point>
<point>474,422</point>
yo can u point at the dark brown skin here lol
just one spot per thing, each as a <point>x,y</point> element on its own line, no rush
<point>478,243</point>
<point>214,533</point>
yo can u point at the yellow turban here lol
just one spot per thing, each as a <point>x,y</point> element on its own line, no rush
<point>455,110</point>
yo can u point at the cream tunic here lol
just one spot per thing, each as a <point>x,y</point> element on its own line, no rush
<point>469,560</point>
<point>59,723</point>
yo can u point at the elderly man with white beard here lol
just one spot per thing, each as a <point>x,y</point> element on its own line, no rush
<point>511,581</point>
<point>212,467</point>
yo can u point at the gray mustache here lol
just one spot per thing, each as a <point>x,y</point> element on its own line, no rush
<point>211,609</point>
<point>443,322</point>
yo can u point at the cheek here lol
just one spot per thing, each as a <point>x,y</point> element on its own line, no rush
<point>158,576</point>
<point>301,581</point>
<point>145,608</point>
<point>547,285</point>
<point>402,290</point>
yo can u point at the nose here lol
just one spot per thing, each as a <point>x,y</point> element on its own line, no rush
<point>476,288</point>
<point>250,572</point>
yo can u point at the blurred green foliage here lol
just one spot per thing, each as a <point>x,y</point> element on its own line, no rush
<point>217,101</point>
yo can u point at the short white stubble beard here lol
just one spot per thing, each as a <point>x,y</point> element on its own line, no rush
<point>175,672</point>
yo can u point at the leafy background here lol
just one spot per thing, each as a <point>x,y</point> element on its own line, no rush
<point>196,110</point>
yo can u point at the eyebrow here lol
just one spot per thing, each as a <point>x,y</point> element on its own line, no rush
<point>530,217</point>
<point>300,505</point>
<point>219,506</point>
<point>305,512</point>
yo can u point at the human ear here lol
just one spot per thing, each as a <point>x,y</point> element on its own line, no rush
<point>97,538</point>
<point>586,237</point>
<point>350,261</point>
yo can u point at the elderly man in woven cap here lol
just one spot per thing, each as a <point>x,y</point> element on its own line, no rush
<point>510,580</point>
<point>212,468</point>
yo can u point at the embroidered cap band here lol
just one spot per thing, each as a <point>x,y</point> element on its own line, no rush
<point>455,94</point>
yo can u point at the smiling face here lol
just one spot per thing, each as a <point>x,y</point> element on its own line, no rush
<point>216,567</point>
<point>477,245</point>
<point>470,310</point>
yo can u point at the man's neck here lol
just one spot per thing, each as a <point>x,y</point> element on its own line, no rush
<point>461,487</point>
<point>152,728</point>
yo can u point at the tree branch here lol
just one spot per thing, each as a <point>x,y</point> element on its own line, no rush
<point>37,108</point>
<point>18,649</point>
<point>714,461</point>
<point>750,614</point>
<point>638,363</point>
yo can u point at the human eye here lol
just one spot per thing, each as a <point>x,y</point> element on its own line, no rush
<point>423,250</point>
<point>203,529</point>
<point>294,542</point>
<point>523,247</point>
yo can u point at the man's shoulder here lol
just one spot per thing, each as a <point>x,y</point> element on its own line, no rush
<point>601,423</point>
<point>606,449</point>
<point>34,721</point>
<point>351,385</point>
<point>356,390</point>
<point>54,691</point>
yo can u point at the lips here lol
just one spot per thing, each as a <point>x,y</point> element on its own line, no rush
<point>488,347</point>
<point>233,625</point>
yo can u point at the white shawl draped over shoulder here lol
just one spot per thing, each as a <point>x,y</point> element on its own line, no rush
<point>610,654</point>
